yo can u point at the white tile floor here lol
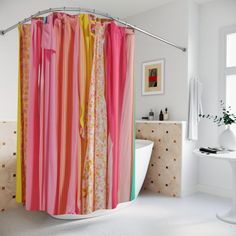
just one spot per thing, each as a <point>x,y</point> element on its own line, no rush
<point>150,215</point>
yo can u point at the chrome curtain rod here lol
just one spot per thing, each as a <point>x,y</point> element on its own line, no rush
<point>94,12</point>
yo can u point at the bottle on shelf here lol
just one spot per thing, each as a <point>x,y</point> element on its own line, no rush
<point>151,115</point>
<point>161,116</point>
<point>166,115</point>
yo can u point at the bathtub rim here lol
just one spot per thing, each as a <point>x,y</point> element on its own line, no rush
<point>94,214</point>
<point>145,142</point>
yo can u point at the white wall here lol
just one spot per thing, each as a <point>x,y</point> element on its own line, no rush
<point>177,21</point>
<point>193,39</point>
<point>190,167</point>
<point>11,11</point>
<point>171,22</point>
<point>214,176</point>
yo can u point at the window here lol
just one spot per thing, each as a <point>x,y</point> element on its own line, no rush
<point>230,69</point>
<point>231,50</point>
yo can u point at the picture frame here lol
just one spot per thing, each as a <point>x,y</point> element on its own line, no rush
<point>153,77</point>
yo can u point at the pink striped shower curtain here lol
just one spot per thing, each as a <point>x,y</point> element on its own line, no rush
<point>78,124</point>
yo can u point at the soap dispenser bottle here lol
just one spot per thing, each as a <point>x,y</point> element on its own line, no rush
<point>151,115</point>
<point>161,116</point>
<point>166,115</point>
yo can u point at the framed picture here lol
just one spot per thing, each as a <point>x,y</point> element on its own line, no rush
<point>153,77</point>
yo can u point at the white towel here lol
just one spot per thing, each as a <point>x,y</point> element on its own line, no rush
<point>195,107</point>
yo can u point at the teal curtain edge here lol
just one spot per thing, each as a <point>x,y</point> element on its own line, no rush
<point>134,145</point>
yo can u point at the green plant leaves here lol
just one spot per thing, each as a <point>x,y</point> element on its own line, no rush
<point>227,117</point>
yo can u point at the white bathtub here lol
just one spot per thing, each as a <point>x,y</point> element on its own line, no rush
<point>142,157</point>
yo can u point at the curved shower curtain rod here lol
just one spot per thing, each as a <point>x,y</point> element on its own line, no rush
<point>94,12</point>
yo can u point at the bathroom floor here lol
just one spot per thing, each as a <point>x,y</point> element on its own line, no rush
<point>151,214</point>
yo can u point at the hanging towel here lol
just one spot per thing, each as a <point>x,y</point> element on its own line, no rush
<point>195,107</point>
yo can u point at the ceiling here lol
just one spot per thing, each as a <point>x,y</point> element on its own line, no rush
<point>121,8</point>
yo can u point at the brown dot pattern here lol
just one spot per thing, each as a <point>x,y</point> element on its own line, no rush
<point>164,172</point>
<point>7,165</point>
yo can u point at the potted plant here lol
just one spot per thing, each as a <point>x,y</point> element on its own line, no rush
<point>227,138</point>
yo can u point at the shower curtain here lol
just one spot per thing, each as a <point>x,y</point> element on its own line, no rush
<point>75,150</point>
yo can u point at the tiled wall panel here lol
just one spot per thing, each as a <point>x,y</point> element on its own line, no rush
<point>164,172</point>
<point>7,165</point>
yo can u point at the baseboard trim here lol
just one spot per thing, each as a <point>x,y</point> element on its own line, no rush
<point>218,191</point>
<point>189,191</point>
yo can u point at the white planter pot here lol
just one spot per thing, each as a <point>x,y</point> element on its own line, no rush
<point>227,139</point>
